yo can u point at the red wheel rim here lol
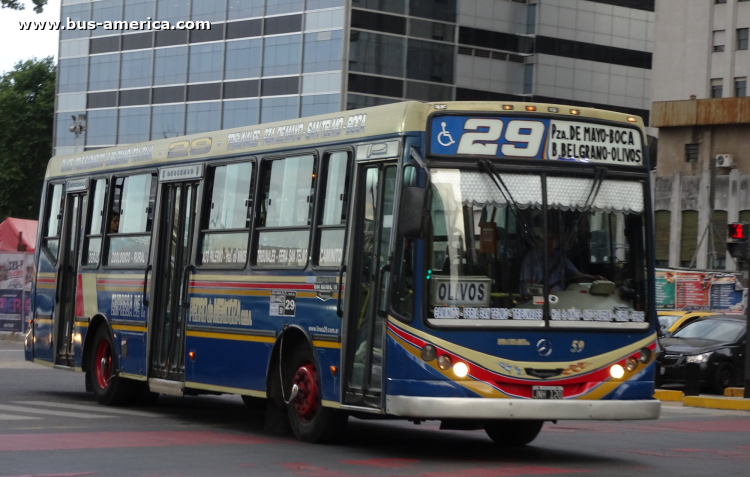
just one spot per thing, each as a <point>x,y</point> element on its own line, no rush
<point>103,363</point>
<point>306,402</point>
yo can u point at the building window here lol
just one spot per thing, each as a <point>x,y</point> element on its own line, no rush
<point>282,55</point>
<point>101,127</point>
<point>320,104</point>
<point>323,51</point>
<point>531,19</point>
<point>170,66</point>
<point>136,69</point>
<point>742,36</point>
<point>104,72</point>
<point>662,229</point>
<point>206,62</point>
<point>279,109</point>
<point>720,2</point>
<point>716,88</point>
<point>740,87</point>
<point>203,117</point>
<point>240,113</point>
<point>688,237</point>
<point>134,125</point>
<point>429,61</point>
<point>691,152</point>
<point>168,121</point>
<point>376,54</point>
<point>720,245</point>
<point>719,36</point>
<point>243,59</point>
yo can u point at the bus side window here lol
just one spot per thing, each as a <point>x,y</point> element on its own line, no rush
<point>130,221</point>
<point>402,290</point>
<point>332,220</point>
<point>286,197</point>
<point>53,218</point>
<point>226,224</point>
<point>95,227</point>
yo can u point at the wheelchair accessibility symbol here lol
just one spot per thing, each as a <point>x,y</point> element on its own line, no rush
<point>444,138</point>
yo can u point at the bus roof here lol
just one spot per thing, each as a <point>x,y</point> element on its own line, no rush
<point>356,125</point>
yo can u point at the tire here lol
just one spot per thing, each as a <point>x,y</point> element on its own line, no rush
<point>309,420</point>
<point>255,403</point>
<point>109,389</point>
<point>724,378</point>
<point>512,433</point>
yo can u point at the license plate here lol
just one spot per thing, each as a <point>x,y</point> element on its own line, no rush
<point>547,392</point>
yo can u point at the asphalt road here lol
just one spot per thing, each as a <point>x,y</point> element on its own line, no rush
<point>50,427</point>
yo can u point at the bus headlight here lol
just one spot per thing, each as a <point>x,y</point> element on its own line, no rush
<point>630,364</point>
<point>460,369</point>
<point>616,371</point>
<point>645,355</point>
<point>428,353</point>
<point>444,362</point>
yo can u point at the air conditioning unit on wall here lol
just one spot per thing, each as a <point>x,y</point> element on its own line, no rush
<point>724,160</point>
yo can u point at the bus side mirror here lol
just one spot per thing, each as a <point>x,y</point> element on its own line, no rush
<point>413,213</point>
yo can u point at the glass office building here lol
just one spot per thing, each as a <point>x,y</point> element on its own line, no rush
<point>268,60</point>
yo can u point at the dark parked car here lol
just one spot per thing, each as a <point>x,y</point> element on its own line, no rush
<point>716,343</point>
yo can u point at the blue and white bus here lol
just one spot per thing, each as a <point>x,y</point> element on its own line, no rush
<point>489,265</point>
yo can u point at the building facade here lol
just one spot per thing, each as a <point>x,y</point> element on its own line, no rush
<point>268,60</point>
<point>701,66</point>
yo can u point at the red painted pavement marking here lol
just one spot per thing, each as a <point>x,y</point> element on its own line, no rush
<point>111,440</point>
<point>307,470</point>
<point>382,462</point>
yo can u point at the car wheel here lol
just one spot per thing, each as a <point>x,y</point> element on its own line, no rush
<point>512,433</point>
<point>724,377</point>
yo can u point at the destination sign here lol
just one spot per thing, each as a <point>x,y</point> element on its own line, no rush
<point>536,138</point>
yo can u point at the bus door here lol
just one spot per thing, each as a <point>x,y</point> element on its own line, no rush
<point>368,275</point>
<point>172,265</point>
<point>67,274</point>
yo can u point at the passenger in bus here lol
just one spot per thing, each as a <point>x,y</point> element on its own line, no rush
<point>114,223</point>
<point>560,267</point>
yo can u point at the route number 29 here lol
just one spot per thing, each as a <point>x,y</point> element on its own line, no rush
<point>523,138</point>
<point>184,148</point>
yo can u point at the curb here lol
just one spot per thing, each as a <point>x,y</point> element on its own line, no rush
<point>666,395</point>
<point>734,392</point>
<point>718,402</point>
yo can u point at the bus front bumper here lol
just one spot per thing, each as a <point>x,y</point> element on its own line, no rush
<point>539,409</point>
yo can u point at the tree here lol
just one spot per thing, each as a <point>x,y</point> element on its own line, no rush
<point>27,103</point>
<point>17,5</point>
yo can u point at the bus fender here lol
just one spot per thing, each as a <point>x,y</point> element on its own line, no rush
<point>288,340</point>
<point>97,321</point>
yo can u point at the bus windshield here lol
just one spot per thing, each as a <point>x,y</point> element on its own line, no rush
<point>493,244</point>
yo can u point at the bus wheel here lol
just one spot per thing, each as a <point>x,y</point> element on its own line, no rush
<point>512,433</point>
<point>109,389</point>
<point>310,421</point>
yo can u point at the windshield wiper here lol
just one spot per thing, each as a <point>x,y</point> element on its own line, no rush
<point>599,176</point>
<point>489,168</point>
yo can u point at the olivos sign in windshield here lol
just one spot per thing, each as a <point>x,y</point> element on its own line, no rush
<point>536,138</point>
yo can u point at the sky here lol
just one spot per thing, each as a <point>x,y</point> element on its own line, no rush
<point>17,45</point>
